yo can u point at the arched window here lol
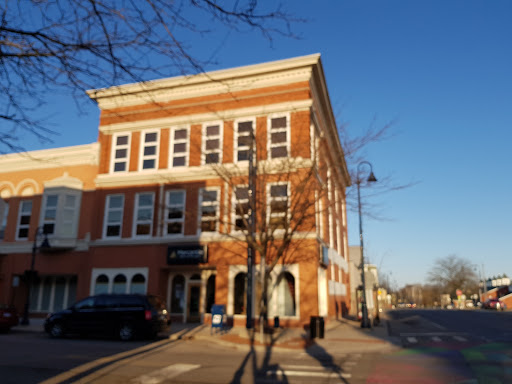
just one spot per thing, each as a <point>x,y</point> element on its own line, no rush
<point>101,285</point>
<point>210,293</point>
<point>178,294</point>
<point>119,284</point>
<point>239,294</point>
<point>286,294</point>
<point>138,284</point>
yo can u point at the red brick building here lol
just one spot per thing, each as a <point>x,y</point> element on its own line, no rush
<point>159,203</point>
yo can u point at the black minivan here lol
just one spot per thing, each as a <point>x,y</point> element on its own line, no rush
<point>123,315</point>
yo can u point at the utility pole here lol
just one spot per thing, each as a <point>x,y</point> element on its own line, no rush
<point>251,252</point>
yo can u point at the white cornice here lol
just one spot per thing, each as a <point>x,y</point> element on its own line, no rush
<point>51,158</point>
<point>210,83</point>
<point>261,110</point>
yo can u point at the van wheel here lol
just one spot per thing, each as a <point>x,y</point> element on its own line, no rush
<point>126,332</point>
<point>57,330</point>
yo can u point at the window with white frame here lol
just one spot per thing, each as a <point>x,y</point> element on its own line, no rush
<point>243,139</point>
<point>174,212</point>
<point>209,203</point>
<point>278,215</point>
<point>113,216</point>
<point>149,150</point>
<point>279,134</point>
<point>24,215</point>
<point>60,212</point>
<point>144,208</point>
<point>120,153</point>
<point>179,147</point>
<point>212,143</point>
<point>241,207</point>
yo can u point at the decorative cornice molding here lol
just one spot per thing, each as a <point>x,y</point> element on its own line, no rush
<point>87,154</point>
<point>204,84</point>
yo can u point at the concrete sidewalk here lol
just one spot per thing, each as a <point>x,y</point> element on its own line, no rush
<point>340,336</point>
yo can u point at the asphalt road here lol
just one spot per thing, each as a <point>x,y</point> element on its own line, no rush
<point>438,346</point>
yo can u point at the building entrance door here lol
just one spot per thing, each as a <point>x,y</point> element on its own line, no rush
<point>194,315</point>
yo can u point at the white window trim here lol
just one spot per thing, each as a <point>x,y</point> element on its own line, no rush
<point>135,213</point>
<point>114,147</point>
<point>275,299</point>
<point>217,211</point>
<point>234,203</point>
<point>204,151</point>
<point>287,129</point>
<point>172,142</point>
<point>269,200</point>
<point>59,222</point>
<point>166,215</point>
<point>105,217</point>
<point>235,138</point>
<point>18,224</point>
<point>149,157</point>
<point>111,273</point>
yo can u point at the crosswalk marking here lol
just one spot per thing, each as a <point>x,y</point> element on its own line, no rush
<point>164,374</point>
<point>330,375</point>
<point>437,339</point>
<point>412,339</point>
<point>460,338</point>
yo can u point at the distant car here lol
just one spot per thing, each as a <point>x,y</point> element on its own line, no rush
<point>494,304</point>
<point>8,317</point>
<point>123,315</point>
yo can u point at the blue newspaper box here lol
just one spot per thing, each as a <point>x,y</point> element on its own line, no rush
<point>218,312</point>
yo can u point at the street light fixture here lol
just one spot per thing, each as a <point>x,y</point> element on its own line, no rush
<point>30,274</point>
<point>365,322</point>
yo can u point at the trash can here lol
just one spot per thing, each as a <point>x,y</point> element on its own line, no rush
<point>218,312</point>
<point>316,327</point>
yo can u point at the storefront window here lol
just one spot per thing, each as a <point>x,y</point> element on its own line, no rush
<point>178,294</point>
<point>240,298</point>
<point>101,285</point>
<point>119,284</point>
<point>138,284</point>
<point>210,293</point>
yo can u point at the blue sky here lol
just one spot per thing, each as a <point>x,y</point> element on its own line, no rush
<point>442,69</point>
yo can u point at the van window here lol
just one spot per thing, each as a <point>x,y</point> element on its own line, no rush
<point>87,303</point>
<point>130,301</point>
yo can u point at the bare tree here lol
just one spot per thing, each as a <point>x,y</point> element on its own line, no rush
<point>73,45</point>
<point>453,272</point>
<point>274,214</point>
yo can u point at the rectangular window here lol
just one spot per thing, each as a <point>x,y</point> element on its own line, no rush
<point>278,205</point>
<point>120,153</point>
<point>25,213</point>
<point>243,139</point>
<point>149,150</point>
<point>4,213</point>
<point>179,147</point>
<point>50,213</point>
<point>241,207</point>
<point>278,137</point>
<point>143,217</point>
<point>69,215</point>
<point>113,216</point>
<point>212,143</point>
<point>175,212</point>
<point>209,203</point>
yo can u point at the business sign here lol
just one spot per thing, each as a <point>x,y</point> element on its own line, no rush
<point>187,255</point>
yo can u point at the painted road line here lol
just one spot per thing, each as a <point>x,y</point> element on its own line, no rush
<point>329,375</point>
<point>412,339</point>
<point>460,338</point>
<point>306,367</point>
<point>437,339</point>
<point>164,374</point>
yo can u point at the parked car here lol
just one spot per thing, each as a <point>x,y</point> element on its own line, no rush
<point>493,304</point>
<point>8,317</point>
<point>123,315</point>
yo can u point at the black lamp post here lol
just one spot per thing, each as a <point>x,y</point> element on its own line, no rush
<point>365,322</point>
<point>30,274</point>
